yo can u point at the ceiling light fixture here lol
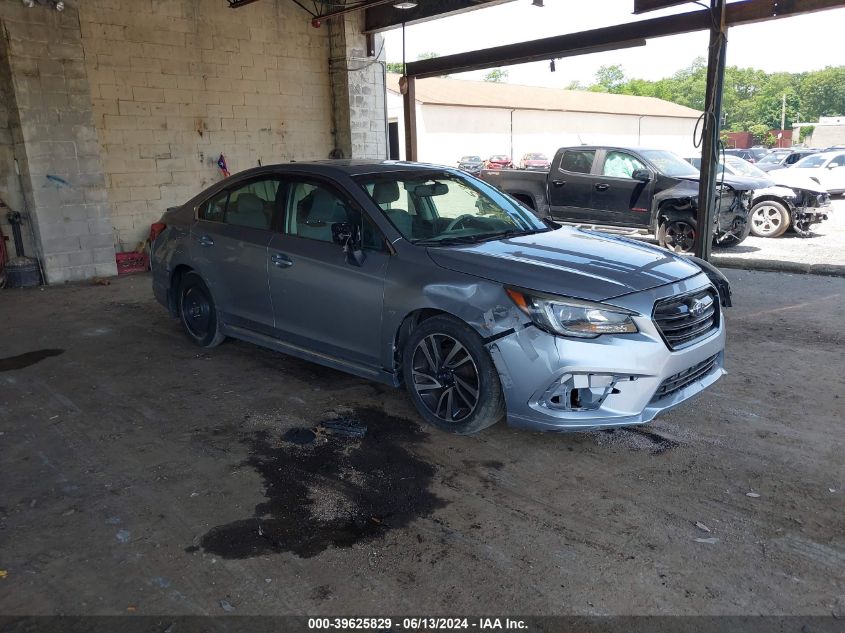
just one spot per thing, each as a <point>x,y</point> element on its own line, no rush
<point>407,4</point>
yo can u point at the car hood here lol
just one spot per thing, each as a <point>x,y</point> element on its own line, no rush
<point>798,178</point>
<point>740,183</point>
<point>569,262</point>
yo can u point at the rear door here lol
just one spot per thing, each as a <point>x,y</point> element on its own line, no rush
<point>570,184</point>
<point>618,198</point>
<point>321,301</point>
<point>229,249</point>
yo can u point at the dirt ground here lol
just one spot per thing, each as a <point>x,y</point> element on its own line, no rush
<point>143,475</point>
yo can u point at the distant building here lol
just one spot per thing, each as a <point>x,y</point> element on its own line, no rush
<point>457,117</point>
<point>829,131</point>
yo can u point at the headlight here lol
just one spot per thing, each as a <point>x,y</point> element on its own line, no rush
<point>573,317</point>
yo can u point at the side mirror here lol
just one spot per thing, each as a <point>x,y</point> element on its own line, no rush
<point>643,175</point>
<point>342,232</point>
<point>346,235</point>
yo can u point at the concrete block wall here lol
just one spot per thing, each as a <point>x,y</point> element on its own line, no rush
<point>176,83</point>
<point>55,143</point>
<point>358,86</point>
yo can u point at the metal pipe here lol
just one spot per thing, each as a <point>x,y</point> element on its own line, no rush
<point>710,134</point>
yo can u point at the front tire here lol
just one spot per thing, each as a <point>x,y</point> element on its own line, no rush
<point>769,219</point>
<point>198,312</point>
<point>451,378</point>
<point>678,235</point>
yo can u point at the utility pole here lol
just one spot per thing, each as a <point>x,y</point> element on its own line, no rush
<point>710,132</point>
<point>782,120</point>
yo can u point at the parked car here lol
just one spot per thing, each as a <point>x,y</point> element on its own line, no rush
<point>471,164</point>
<point>535,161</point>
<point>752,154</point>
<point>825,168</point>
<point>791,201</point>
<point>423,275</point>
<point>779,159</point>
<point>646,189</point>
<point>499,161</point>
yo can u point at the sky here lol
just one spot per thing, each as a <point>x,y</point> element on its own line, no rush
<point>802,43</point>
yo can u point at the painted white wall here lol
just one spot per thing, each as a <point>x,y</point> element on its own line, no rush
<point>447,132</point>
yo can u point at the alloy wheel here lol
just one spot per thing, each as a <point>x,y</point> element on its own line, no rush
<point>680,236</point>
<point>445,377</point>
<point>766,220</point>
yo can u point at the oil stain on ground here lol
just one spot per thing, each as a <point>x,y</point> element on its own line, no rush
<point>334,491</point>
<point>29,358</point>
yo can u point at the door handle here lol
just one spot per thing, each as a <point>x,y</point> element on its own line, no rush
<point>282,261</point>
<point>602,187</point>
<point>205,240</point>
<point>558,183</point>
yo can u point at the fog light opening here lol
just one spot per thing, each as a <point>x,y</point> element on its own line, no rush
<point>580,392</point>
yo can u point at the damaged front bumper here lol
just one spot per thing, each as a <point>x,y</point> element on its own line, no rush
<point>567,384</point>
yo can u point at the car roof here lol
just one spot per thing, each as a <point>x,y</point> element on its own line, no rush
<point>343,166</point>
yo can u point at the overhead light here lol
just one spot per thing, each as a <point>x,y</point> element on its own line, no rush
<point>537,3</point>
<point>552,65</point>
<point>406,4</point>
<point>28,3</point>
<point>60,6</point>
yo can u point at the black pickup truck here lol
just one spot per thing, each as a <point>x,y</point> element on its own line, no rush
<point>625,187</point>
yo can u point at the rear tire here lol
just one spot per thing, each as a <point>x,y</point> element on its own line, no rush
<point>198,312</point>
<point>678,235</point>
<point>451,378</point>
<point>769,219</point>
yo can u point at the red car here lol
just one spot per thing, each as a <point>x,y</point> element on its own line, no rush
<point>534,161</point>
<point>499,161</point>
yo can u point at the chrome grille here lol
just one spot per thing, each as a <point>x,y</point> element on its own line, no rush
<point>685,319</point>
<point>685,378</point>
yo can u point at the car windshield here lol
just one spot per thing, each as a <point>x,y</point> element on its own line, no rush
<point>742,167</point>
<point>535,157</point>
<point>471,159</point>
<point>670,164</point>
<point>499,157</point>
<point>440,208</point>
<point>813,160</point>
<point>773,159</point>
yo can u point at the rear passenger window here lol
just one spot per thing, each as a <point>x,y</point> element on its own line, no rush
<point>578,161</point>
<point>253,204</point>
<point>214,209</point>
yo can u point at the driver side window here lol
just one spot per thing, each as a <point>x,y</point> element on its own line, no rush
<point>620,165</point>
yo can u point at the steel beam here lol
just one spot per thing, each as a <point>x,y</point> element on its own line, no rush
<point>705,211</point>
<point>644,6</point>
<point>388,17</point>
<point>611,37</point>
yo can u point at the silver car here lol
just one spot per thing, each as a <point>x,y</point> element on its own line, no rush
<point>425,276</point>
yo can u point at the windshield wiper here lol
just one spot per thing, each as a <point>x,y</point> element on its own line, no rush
<point>448,241</point>
<point>486,237</point>
<point>481,237</point>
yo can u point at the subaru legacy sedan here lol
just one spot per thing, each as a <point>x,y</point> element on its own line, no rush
<point>422,275</point>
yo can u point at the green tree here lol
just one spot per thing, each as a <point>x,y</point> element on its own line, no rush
<point>609,79</point>
<point>497,75</point>
<point>823,93</point>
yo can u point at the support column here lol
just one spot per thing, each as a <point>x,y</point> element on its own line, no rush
<point>358,90</point>
<point>710,131</point>
<point>56,144</point>
<point>409,101</point>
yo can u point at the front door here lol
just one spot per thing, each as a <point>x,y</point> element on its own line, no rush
<point>833,175</point>
<point>321,301</point>
<point>618,198</point>
<point>229,249</point>
<point>570,185</point>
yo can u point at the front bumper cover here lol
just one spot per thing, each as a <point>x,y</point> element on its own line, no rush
<point>624,371</point>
